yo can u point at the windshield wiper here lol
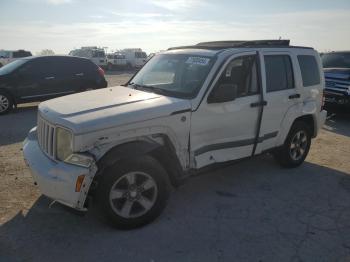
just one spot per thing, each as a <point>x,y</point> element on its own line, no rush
<point>150,88</point>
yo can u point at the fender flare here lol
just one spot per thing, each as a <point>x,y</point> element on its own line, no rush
<point>308,108</point>
<point>165,154</point>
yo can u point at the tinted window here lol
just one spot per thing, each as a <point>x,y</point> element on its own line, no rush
<point>10,67</point>
<point>309,70</point>
<point>241,73</point>
<point>279,72</point>
<point>336,60</point>
<point>37,67</point>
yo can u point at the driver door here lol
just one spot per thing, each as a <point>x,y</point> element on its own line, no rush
<point>224,128</point>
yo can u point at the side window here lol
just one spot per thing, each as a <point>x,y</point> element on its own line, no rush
<point>241,73</point>
<point>39,67</point>
<point>279,73</point>
<point>309,70</point>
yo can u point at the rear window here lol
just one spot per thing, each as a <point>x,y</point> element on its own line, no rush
<point>279,73</point>
<point>309,70</point>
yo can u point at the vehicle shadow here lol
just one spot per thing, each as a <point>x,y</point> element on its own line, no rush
<point>338,120</point>
<point>15,126</point>
<point>253,211</point>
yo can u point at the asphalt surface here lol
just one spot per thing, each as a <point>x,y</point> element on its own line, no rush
<point>250,211</point>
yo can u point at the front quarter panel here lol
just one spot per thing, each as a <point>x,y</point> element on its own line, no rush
<point>175,127</point>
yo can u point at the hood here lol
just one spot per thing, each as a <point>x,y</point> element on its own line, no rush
<point>107,108</point>
<point>337,73</point>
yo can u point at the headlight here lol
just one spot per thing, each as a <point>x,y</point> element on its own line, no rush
<point>63,143</point>
<point>64,149</point>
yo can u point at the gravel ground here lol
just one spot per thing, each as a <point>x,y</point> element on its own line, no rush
<point>250,211</point>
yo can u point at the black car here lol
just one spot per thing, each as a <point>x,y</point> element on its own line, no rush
<point>45,77</point>
<point>337,75</point>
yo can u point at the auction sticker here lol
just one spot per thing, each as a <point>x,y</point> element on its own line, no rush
<point>196,60</point>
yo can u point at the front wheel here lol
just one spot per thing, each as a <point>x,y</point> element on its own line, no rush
<point>296,147</point>
<point>6,103</point>
<point>133,193</point>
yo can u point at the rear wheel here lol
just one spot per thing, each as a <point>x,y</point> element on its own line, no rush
<point>296,147</point>
<point>6,103</point>
<point>133,193</point>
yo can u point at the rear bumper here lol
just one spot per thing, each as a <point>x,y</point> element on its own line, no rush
<point>57,180</point>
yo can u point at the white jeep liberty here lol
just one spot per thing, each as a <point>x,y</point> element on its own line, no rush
<point>187,108</point>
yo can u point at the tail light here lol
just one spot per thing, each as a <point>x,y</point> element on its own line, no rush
<point>101,72</point>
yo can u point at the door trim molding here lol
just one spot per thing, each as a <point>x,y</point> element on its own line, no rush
<point>233,144</point>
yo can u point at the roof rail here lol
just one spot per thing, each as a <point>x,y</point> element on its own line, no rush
<point>218,45</point>
<point>243,43</point>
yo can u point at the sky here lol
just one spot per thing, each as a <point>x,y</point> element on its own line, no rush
<point>62,25</point>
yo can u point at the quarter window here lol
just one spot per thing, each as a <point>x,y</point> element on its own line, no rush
<point>309,70</point>
<point>279,73</point>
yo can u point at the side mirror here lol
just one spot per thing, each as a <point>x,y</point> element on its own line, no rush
<point>223,93</point>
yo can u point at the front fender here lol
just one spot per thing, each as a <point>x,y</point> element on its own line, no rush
<point>126,150</point>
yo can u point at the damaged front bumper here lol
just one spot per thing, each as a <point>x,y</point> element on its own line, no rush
<point>56,179</point>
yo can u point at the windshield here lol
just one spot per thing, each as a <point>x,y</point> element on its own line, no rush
<point>174,74</point>
<point>336,60</point>
<point>10,67</point>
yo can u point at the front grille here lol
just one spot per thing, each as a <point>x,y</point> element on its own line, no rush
<point>46,137</point>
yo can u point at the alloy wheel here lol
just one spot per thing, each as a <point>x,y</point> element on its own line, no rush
<point>4,103</point>
<point>133,194</point>
<point>298,145</point>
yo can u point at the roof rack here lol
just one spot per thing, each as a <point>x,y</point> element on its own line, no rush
<point>219,45</point>
<point>243,43</point>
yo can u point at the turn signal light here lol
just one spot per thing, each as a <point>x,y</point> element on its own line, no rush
<point>79,183</point>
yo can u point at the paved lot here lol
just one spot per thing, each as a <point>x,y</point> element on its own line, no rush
<point>250,211</point>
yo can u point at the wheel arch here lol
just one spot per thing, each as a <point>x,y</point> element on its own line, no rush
<point>8,92</point>
<point>163,151</point>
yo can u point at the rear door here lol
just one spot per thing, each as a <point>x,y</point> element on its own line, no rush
<point>280,94</point>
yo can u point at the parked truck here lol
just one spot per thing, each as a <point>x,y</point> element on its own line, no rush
<point>135,57</point>
<point>94,53</point>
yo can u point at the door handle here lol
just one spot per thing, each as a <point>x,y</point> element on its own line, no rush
<point>49,77</point>
<point>80,74</point>
<point>294,96</point>
<point>258,104</point>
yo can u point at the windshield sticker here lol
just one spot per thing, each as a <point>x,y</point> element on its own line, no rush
<point>203,61</point>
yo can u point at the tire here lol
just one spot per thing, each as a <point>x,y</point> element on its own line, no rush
<point>124,204</point>
<point>296,146</point>
<point>6,102</point>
